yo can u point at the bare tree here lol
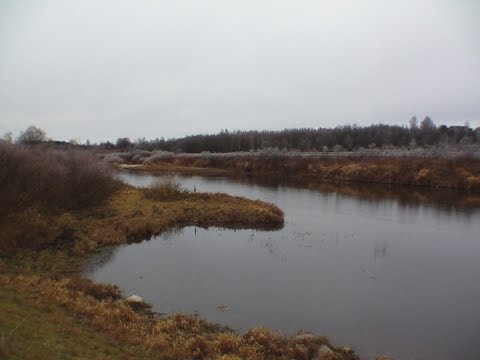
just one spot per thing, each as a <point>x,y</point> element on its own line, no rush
<point>8,137</point>
<point>123,143</point>
<point>427,124</point>
<point>413,123</point>
<point>32,135</point>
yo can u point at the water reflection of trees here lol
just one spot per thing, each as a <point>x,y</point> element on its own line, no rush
<point>443,200</point>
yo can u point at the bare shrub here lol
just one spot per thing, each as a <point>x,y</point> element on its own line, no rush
<point>87,181</point>
<point>113,158</point>
<point>51,180</point>
<point>158,156</point>
<point>134,156</point>
<point>138,156</point>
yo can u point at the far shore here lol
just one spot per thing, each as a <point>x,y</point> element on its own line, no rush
<point>460,173</point>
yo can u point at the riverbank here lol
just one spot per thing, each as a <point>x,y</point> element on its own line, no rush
<point>460,173</point>
<point>49,310</point>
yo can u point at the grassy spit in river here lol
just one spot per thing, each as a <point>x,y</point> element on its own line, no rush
<point>48,310</point>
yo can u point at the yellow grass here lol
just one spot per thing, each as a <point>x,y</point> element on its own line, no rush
<point>456,173</point>
<point>130,215</point>
<point>48,310</point>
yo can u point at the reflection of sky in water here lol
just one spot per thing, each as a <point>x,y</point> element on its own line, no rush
<point>378,275</point>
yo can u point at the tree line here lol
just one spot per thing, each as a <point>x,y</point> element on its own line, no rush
<point>340,138</point>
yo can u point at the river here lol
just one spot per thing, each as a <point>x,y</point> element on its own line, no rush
<point>387,275</point>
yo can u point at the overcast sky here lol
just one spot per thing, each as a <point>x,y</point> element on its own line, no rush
<point>104,69</point>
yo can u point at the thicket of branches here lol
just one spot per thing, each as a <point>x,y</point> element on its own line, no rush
<point>343,138</point>
<point>48,179</point>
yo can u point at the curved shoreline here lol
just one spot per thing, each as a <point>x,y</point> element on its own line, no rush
<point>52,277</point>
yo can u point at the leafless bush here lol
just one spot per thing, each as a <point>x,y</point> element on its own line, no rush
<point>158,155</point>
<point>87,181</point>
<point>51,179</point>
<point>113,158</point>
<point>138,156</point>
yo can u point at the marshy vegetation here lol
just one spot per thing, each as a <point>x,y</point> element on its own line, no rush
<point>59,197</point>
<point>165,189</point>
<point>458,172</point>
<point>140,334</point>
<point>40,186</point>
<point>60,206</point>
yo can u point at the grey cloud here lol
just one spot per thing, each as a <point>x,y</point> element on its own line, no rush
<point>105,69</point>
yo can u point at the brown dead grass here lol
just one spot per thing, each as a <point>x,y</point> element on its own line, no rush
<point>44,282</point>
<point>49,276</point>
<point>131,214</point>
<point>457,173</point>
<point>51,311</point>
<point>175,336</point>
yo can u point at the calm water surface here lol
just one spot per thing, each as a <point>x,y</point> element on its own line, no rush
<point>381,275</point>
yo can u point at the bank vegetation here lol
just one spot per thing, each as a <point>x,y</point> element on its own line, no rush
<point>59,207</point>
<point>458,172</point>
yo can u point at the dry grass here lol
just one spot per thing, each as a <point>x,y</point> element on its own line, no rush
<point>452,173</point>
<point>165,189</point>
<point>80,319</point>
<point>130,215</point>
<point>48,310</point>
<point>166,337</point>
<point>32,327</point>
<point>40,188</point>
<point>166,167</point>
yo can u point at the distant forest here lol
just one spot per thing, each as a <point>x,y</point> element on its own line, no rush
<point>342,138</point>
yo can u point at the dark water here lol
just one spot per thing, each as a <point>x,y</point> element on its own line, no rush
<point>385,274</point>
